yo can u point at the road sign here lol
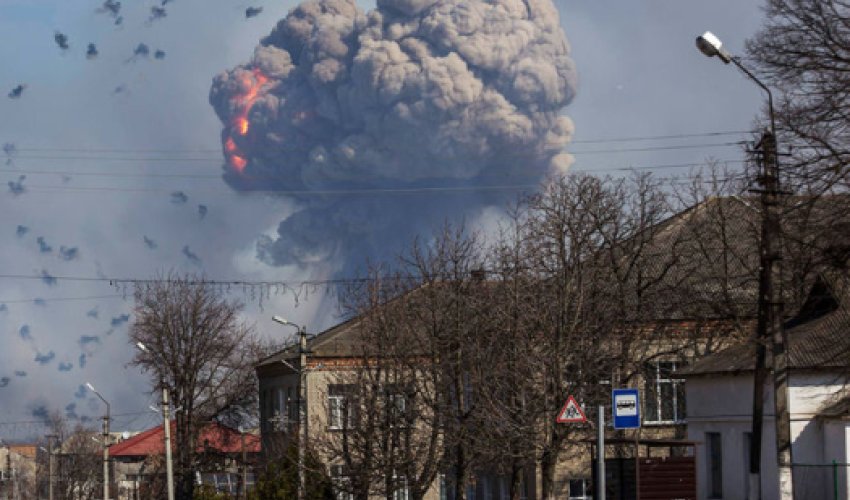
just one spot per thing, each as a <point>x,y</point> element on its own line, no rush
<point>571,413</point>
<point>626,408</point>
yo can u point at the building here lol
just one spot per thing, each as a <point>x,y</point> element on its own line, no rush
<point>17,471</point>
<point>224,455</point>
<point>719,396</point>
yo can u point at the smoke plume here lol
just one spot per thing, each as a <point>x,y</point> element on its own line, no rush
<point>350,111</point>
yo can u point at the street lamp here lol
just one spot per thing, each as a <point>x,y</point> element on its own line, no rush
<point>302,403</point>
<point>105,442</point>
<point>769,300</point>
<point>166,425</point>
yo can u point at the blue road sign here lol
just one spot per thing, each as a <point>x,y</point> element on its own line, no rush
<point>625,406</point>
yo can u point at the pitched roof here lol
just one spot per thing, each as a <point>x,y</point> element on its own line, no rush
<point>214,436</point>
<point>818,336</point>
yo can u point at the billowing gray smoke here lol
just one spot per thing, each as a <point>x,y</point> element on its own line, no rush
<point>413,94</point>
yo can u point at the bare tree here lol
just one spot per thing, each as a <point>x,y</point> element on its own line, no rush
<point>803,51</point>
<point>77,462</point>
<point>198,349</point>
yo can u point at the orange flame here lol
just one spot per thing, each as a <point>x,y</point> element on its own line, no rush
<point>238,163</point>
<point>240,123</point>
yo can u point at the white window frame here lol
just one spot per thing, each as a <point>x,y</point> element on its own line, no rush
<point>401,490</point>
<point>339,407</point>
<point>658,381</point>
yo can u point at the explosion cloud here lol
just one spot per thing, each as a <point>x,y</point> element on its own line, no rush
<point>414,94</point>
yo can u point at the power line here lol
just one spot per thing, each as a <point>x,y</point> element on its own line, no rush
<point>59,299</point>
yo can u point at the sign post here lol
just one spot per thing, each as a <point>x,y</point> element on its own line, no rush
<point>626,407</point>
<point>600,454</point>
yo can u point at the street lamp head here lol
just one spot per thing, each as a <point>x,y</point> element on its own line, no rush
<point>282,321</point>
<point>711,46</point>
<point>91,387</point>
<point>142,347</point>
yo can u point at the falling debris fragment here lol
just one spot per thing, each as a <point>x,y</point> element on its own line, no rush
<point>17,187</point>
<point>61,40</point>
<point>192,256</point>
<point>179,197</point>
<point>151,244</point>
<point>111,7</point>
<point>43,247</point>
<point>21,231</point>
<point>253,12</point>
<point>120,89</point>
<point>68,253</point>
<point>16,92</point>
<point>159,54</point>
<point>142,50</point>
<point>48,279</point>
<point>91,51</point>
<point>157,13</point>
<point>202,211</point>
<point>10,150</point>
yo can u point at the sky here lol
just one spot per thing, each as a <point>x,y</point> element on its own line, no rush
<point>116,169</point>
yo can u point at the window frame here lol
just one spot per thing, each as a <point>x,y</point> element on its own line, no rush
<point>657,381</point>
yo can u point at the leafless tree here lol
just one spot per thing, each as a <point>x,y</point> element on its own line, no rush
<point>77,461</point>
<point>803,51</point>
<point>197,348</point>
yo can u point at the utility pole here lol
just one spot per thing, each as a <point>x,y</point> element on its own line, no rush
<point>771,307</point>
<point>106,455</point>
<point>600,453</point>
<point>302,412</point>
<point>244,466</point>
<point>50,465</point>
<point>770,303</point>
<point>166,425</point>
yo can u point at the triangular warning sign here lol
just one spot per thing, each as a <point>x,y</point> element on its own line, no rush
<point>571,413</point>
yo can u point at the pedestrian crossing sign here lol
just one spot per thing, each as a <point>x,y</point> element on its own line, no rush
<point>571,413</point>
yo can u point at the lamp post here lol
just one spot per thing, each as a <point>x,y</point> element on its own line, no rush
<point>166,426</point>
<point>302,400</point>
<point>770,305</point>
<point>105,442</point>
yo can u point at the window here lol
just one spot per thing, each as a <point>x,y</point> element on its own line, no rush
<point>579,489</point>
<point>714,463</point>
<point>341,483</point>
<point>400,491</point>
<point>665,395</point>
<point>340,406</point>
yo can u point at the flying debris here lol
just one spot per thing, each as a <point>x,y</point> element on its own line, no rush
<point>4,381</point>
<point>413,93</point>
<point>92,313</point>
<point>142,50</point>
<point>20,373</point>
<point>192,256</point>
<point>157,13</point>
<point>111,7</point>
<point>120,89</point>
<point>253,12</point>
<point>202,211</point>
<point>91,51</point>
<point>48,279</point>
<point>151,244</point>
<point>10,150</point>
<point>21,231</point>
<point>159,54</point>
<point>43,247</point>
<point>166,2</point>
<point>43,359</point>
<point>65,367</point>
<point>119,320</point>
<point>39,302</point>
<point>4,308</point>
<point>24,332</point>
<point>86,341</point>
<point>16,92</point>
<point>17,187</point>
<point>179,197</point>
<point>71,410</point>
<point>61,40</point>
<point>81,392</point>
<point>83,358</point>
<point>68,253</point>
